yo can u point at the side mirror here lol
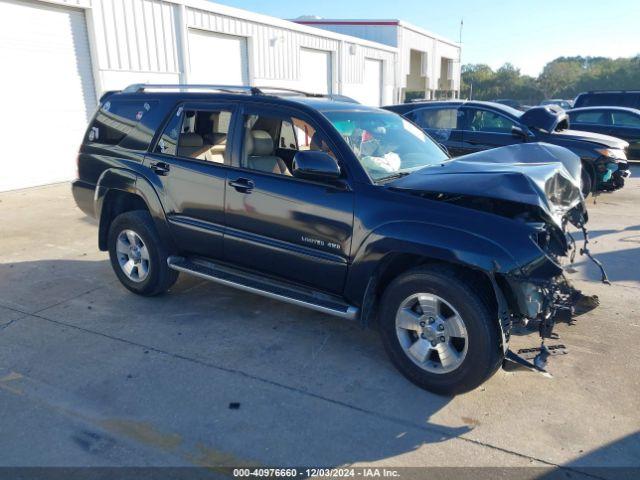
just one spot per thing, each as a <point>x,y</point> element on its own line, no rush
<point>519,132</point>
<point>315,165</point>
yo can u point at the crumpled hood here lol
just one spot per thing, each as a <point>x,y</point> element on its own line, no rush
<point>531,174</point>
<point>546,117</point>
<point>604,140</point>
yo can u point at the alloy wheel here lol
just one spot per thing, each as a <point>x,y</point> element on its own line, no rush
<point>133,256</point>
<point>432,333</point>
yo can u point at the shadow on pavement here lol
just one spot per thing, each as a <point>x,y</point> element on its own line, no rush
<point>320,388</point>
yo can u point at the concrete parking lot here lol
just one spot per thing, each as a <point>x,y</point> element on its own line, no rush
<point>91,374</point>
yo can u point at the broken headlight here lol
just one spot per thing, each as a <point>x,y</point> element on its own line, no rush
<point>612,153</point>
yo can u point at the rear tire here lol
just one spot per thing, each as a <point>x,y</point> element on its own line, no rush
<point>138,255</point>
<point>468,363</point>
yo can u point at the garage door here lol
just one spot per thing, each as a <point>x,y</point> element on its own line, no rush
<point>315,70</point>
<point>46,92</point>
<point>217,58</point>
<point>372,91</point>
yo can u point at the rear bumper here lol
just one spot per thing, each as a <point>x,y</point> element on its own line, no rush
<point>83,194</point>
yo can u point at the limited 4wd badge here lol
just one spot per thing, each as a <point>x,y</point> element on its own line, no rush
<point>320,243</point>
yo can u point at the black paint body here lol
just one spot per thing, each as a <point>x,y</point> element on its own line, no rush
<point>336,237</point>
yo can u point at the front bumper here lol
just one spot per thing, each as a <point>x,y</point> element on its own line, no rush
<point>611,173</point>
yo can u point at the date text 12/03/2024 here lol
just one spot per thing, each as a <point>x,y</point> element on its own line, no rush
<point>316,472</point>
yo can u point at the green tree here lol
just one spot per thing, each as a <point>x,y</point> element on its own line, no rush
<point>563,77</point>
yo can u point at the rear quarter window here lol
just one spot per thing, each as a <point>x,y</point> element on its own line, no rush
<point>123,123</point>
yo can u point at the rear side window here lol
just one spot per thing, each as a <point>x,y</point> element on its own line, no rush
<point>435,118</point>
<point>197,134</point>
<point>122,123</point>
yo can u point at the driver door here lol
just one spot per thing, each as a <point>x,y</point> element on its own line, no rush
<point>485,129</point>
<point>277,224</point>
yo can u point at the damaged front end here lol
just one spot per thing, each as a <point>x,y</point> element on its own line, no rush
<point>537,186</point>
<point>541,294</point>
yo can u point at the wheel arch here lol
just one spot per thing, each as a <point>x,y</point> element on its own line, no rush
<point>391,254</point>
<point>120,191</point>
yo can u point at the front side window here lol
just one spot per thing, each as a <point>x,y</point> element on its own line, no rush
<point>198,134</point>
<point>386,144</point>
<point>490,122</point>
<point>625,119</point>
<point>595,117</point>
<point>271,142</point>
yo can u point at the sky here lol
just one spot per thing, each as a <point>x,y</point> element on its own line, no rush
<point>527,34</point>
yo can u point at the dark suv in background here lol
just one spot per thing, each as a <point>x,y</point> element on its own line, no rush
<point>337,207</point>
<point>608,98</point>
<point>465,127</point>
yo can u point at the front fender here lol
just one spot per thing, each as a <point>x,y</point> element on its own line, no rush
<point>429,241</point>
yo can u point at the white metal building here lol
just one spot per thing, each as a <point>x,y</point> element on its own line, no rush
<point>429,65</point>
<point>59,56</point>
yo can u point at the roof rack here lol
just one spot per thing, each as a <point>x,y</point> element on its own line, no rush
<point>290,91</point>
<point>145,87</point>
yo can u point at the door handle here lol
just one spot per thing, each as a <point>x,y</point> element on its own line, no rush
<point>160,168</point>
<point>243,185</point>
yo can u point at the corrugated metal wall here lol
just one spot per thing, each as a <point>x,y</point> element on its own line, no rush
<point>140,41</point>
<point>136,35</point>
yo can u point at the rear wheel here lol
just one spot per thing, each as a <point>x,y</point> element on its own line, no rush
<point>439,330</point>
<point>138,254</point>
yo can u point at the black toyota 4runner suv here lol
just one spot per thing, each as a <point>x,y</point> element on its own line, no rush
<point>345,209</point>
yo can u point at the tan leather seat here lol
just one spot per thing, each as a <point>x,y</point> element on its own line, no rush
<point>259,155</point>
<point>217,149</point>
<point>191,145</point>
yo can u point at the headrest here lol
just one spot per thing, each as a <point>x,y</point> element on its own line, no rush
<point>316,142</point>
<point>190,140</point>
<point>260,143</point>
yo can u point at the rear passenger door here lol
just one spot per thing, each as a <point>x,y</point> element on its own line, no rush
<point>293,229</point>
<point>443,124</point>
<point>190,162</point>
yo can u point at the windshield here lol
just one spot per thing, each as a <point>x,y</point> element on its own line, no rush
<point>386,145</point>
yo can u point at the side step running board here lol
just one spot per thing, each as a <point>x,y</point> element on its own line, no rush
<point>263,286</point>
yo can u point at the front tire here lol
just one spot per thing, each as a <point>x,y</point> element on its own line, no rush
<point>138,255</point>
<point>586,181</point>
<point>440,331</point>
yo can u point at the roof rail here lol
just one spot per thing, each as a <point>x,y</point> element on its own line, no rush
<point>265,90</point>
<point>144,87</point>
